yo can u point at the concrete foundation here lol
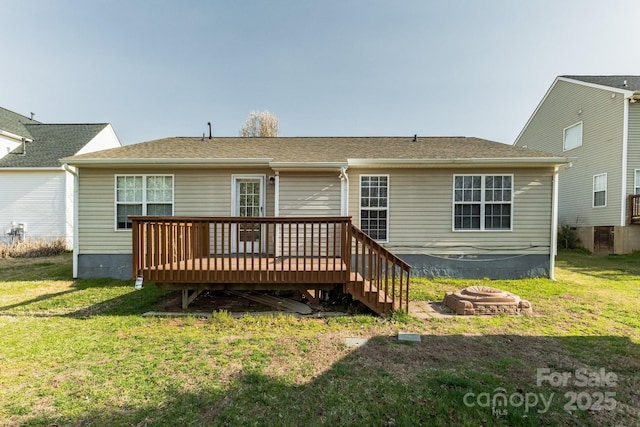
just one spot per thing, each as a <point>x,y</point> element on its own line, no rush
<point>503,266</point>
<point>625,239</point>
<point>107,265</point>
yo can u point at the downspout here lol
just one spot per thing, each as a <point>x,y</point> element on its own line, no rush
<point>625,165</point>
<point>554,224</point>
<point>276,208</point>
<point>276,194</point>
<point>76,239</point>
<point>344,191</point>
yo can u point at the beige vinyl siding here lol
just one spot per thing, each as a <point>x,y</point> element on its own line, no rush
<point>421,205</point>
<point>602,118</point>
<point>310,194</point>
<point>197,192</point>
<point>315,194</point>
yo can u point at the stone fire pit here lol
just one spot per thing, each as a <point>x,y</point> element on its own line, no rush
<point>485,300</point>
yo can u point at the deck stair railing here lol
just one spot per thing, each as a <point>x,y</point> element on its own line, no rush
<point>380,279</point>
<point>634,209</point>
<point>268,253</point>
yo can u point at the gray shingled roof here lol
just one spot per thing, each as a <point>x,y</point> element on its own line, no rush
<point>633,82</point>
<point>15,123</point>
<point>307,150</point>
<point>50,143</point>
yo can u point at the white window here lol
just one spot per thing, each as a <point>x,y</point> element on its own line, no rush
<point>572,136</point>
<point>142,195</point>
<point>600,190</point>
<point>482,202</point>
<point>637,184</point>
<point>374,206</point>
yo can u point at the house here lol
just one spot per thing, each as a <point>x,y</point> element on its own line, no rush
<point>37,197</point>
<point>596,121</point>
<point>447,206</point>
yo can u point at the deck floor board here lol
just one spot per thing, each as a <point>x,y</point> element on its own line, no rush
<point>287,264</point>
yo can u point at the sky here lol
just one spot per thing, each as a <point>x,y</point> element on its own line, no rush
<point>156,69</point>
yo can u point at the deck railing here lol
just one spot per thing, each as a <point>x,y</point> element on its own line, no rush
<point>241,249</point>
<point>384,276</point>
<point>634,209</point>
<point>198,252</point>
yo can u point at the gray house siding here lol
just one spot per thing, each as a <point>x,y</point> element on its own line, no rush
<point>601,112</point>
<point>633,146</point>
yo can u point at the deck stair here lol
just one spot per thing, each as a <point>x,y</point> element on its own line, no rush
<point>379,279</point>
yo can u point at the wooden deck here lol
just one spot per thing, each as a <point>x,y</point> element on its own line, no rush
<point>250,273</point>
<point>268,253</point>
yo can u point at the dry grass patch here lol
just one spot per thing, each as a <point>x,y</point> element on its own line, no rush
<point>33,248</point>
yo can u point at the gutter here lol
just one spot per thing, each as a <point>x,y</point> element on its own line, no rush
<point>167,162</point>
<point>33,169</point>
<point>307,166</point>
<point>462,162</point>
<point>11,135</point>
<point>76,239</point>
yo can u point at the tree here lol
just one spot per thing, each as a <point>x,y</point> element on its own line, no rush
<point>261,123</point>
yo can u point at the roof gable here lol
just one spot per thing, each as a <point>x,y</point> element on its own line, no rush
<point>50,142</point>
<point>15,123</point>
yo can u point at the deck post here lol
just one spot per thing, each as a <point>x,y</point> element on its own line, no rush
<point>136,248</point>
<point>188,296</point>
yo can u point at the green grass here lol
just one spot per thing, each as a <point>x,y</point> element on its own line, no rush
<point>80,353</point>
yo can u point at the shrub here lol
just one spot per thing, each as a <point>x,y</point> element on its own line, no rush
<point>32,248</point>
<point>568,238</point>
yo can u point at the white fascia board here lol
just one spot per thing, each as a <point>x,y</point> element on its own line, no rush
<point>166,162</point>
<point>425,163</point>
<point>307,166</point>
<point>627,93</point>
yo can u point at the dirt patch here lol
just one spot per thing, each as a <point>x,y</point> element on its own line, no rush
<point>212,301</point>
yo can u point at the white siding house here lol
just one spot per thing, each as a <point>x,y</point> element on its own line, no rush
<point>38,192</point>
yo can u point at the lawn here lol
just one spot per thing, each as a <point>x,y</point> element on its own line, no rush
<point>79,353</point>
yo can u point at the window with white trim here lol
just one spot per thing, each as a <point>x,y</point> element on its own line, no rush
<point>374,206</point>
<point>600,190</point>
<point>637,182</point>
<point>482,202</point>
<point>142,195</point>
<point>572,137</point>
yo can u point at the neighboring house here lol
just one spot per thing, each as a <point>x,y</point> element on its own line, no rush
<point>37,197</point>
<point>595,120</point>
<point>449,206</point>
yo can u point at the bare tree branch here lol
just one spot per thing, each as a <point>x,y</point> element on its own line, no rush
<point>260,123</point>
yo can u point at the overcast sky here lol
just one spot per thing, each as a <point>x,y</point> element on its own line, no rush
<point>156,69</point>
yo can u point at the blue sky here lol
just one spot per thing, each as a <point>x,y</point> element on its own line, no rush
<point>157,69</point>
